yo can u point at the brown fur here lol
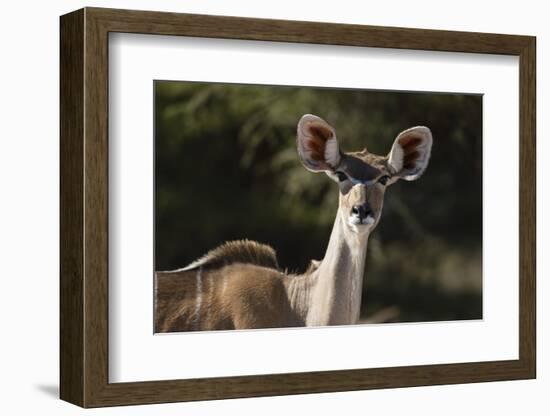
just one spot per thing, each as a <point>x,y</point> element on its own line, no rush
<point>240,287</point>
<point>409,160</point>
<point>316,148</point>
<point>318,140</point>
<point>237,296</point>
<point>411,154</point>
<point>409,141</point>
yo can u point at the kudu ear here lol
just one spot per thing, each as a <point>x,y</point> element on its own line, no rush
<point>317,144</point>
<point>410,153</point>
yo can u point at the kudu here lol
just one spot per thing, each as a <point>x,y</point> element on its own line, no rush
<point>239,285</point>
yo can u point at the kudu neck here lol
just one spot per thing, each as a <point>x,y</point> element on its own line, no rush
<point>336,285</point>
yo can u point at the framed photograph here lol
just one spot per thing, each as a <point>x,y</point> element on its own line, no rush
<point>255,207</point>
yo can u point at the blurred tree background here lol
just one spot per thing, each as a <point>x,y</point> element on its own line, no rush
<point>226,168</point>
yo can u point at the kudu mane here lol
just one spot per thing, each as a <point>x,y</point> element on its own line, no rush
<point>239,251</point>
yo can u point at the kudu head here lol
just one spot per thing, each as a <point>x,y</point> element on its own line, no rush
<point>362,177</point>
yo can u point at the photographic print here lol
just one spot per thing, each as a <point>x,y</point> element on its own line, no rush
<point>294,206</point>
<point>328,196</point>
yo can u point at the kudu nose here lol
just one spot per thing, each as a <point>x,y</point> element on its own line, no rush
<point>362,211</point>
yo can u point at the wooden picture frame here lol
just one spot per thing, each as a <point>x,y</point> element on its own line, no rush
<point>84,207</point>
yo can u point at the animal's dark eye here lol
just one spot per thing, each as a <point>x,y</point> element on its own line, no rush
<point>383,179</point>
<point>341,176</point>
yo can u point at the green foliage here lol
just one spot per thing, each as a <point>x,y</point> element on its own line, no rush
<point>227,168</point>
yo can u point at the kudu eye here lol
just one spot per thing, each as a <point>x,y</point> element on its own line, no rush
<point>383,180</point>
<point>341,176</point>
